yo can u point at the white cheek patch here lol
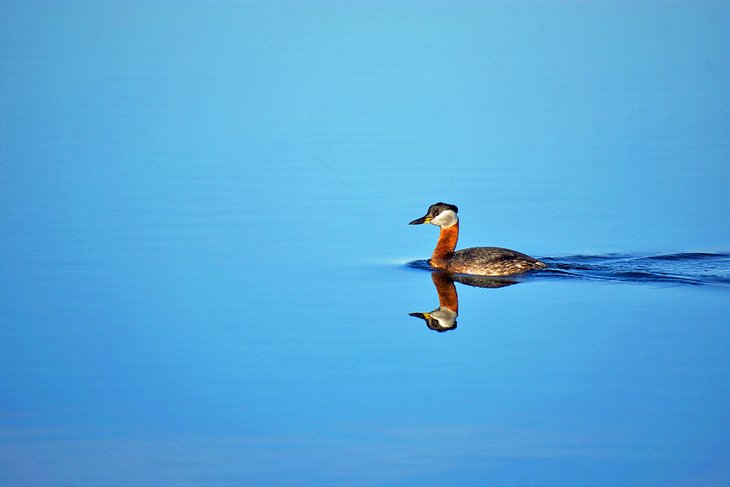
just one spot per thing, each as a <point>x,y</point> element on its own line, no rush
<point>445,316</point>
<point>445,219</point>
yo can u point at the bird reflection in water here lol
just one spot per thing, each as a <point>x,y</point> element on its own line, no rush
<point>443,318</point>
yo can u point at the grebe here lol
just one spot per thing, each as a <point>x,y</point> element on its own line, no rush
<point>481,261</point>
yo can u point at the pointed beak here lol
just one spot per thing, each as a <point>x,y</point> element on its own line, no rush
<point>420,221</point>
<point>423,316</point>
<point>418,315</point>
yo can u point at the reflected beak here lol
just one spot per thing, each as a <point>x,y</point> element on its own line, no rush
<point>422,220</point>
<point>423,316</point>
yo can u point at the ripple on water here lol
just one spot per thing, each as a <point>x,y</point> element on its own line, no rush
<point>688,268</point>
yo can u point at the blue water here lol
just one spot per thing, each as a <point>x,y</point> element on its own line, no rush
<point>207,270</point>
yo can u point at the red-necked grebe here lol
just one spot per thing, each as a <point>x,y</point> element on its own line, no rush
<point>481,261</point>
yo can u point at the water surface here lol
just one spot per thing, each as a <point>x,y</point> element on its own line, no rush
<point>205,274</point>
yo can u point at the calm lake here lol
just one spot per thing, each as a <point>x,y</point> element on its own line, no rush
<point>207,270</point>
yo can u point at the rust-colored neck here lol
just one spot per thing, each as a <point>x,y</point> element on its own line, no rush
<point>446,291</point>
<point>445,246</point>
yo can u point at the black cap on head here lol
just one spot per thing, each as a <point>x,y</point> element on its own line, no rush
<point>440,207</point>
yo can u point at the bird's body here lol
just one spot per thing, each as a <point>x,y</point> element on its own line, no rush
<point>490,261</point>
<point>481,261</point>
